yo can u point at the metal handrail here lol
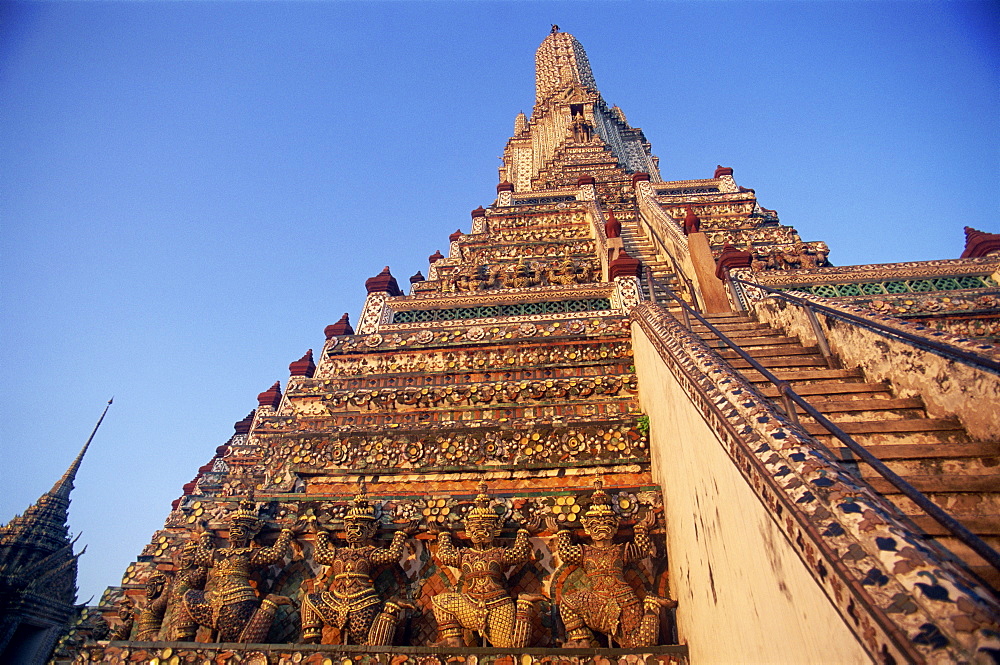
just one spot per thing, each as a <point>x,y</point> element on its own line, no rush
<point>790,398</point>
<point>937,347</point>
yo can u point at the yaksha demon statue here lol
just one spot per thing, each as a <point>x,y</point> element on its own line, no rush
<point>350,602</point>
<point>607,604</point>
<point>485,606</point>
<point>151,615</point>
<point>126,617</point>
<point>232,609</point>
<point>180,626</point>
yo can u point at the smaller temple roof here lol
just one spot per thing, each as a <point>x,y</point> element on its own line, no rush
<point>38,540</point>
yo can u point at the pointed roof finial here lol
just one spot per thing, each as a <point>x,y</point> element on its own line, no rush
<point>341,327</point>
<point>979,243</point>
<point>64,485</point>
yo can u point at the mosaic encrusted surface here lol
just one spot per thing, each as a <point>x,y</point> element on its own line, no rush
<point>267,654</point>
<point>540,403</point>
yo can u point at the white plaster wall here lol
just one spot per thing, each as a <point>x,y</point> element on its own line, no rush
<point>744,595</point>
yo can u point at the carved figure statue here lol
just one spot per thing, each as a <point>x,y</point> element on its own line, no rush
<point>126,617</point>
<point>608,604</point>
<point>350,602</point>
<point>151,614</point>
<point>181,627</point>
<point>520,275</point>
<point>232,609</point>
<point>485,606</point>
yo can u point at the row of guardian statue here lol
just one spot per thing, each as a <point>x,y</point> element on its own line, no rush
<point>345,597</point>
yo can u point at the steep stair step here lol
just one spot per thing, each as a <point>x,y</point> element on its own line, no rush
<point>782,350</point>
<point>890,426</point>
<point>727,315</point>
<point>981,525</point>
<point>940,484</point>
<point>889,408</point>
<point>749,343</point>
<point>813,375</point>
<point>899,451</point>
<point>819,388</point>
<point>727,327</point>
<point>716,342</point>
<point>814,360</point>
<point>833,405</point>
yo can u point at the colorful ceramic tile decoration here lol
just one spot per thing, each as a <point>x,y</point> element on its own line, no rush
<point>539,455</point>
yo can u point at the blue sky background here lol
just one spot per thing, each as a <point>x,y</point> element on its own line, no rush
<point>190,192</point>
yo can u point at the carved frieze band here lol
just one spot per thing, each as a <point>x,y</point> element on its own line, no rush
<point>985,265</point>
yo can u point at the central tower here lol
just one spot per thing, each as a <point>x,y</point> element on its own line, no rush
<point>572,131</point>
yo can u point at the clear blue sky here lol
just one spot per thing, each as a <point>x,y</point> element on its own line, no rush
<point>190,192</point>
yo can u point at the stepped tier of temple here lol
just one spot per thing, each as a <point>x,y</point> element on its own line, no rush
<point>539,452</point>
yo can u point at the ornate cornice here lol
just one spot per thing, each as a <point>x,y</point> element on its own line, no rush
<point>986,265</point>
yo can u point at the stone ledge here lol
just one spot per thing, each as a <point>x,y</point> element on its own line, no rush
<point>260,654</point>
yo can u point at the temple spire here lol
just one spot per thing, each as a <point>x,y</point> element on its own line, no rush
<point>64,485</point>
<point>571,125</point>
<point>561,63</point>
<point>38,571</point>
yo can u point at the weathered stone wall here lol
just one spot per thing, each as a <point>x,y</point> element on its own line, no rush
<point>948,387</point>
<point>744,595</point>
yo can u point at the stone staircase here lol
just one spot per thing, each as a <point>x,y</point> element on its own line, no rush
<point>639,245</point>
<point>935,455</point>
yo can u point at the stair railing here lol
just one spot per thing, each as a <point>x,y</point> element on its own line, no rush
<point>600,237</point>
<point>790,399</point>
<point>644,225</point>
<point>929,345</point>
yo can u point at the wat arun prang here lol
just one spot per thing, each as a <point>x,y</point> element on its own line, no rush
<point>492,461</point>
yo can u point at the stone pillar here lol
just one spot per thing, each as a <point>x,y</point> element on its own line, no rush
<point>713,291</point>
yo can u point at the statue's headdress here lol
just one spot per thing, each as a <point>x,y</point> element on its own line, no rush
<point>482,509</point>
<point>600,504</point>
<point>157,577</point>
<point>360,509</point>
<point>246,515</point>
<point>185,556</point>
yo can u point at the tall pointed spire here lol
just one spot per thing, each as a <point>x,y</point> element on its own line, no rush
<point>43,528</point>
<point>38,568</point>
<point>64,485</point>
<point>571,125</point>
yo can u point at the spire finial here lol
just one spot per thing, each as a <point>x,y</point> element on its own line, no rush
<point>64,485</point>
